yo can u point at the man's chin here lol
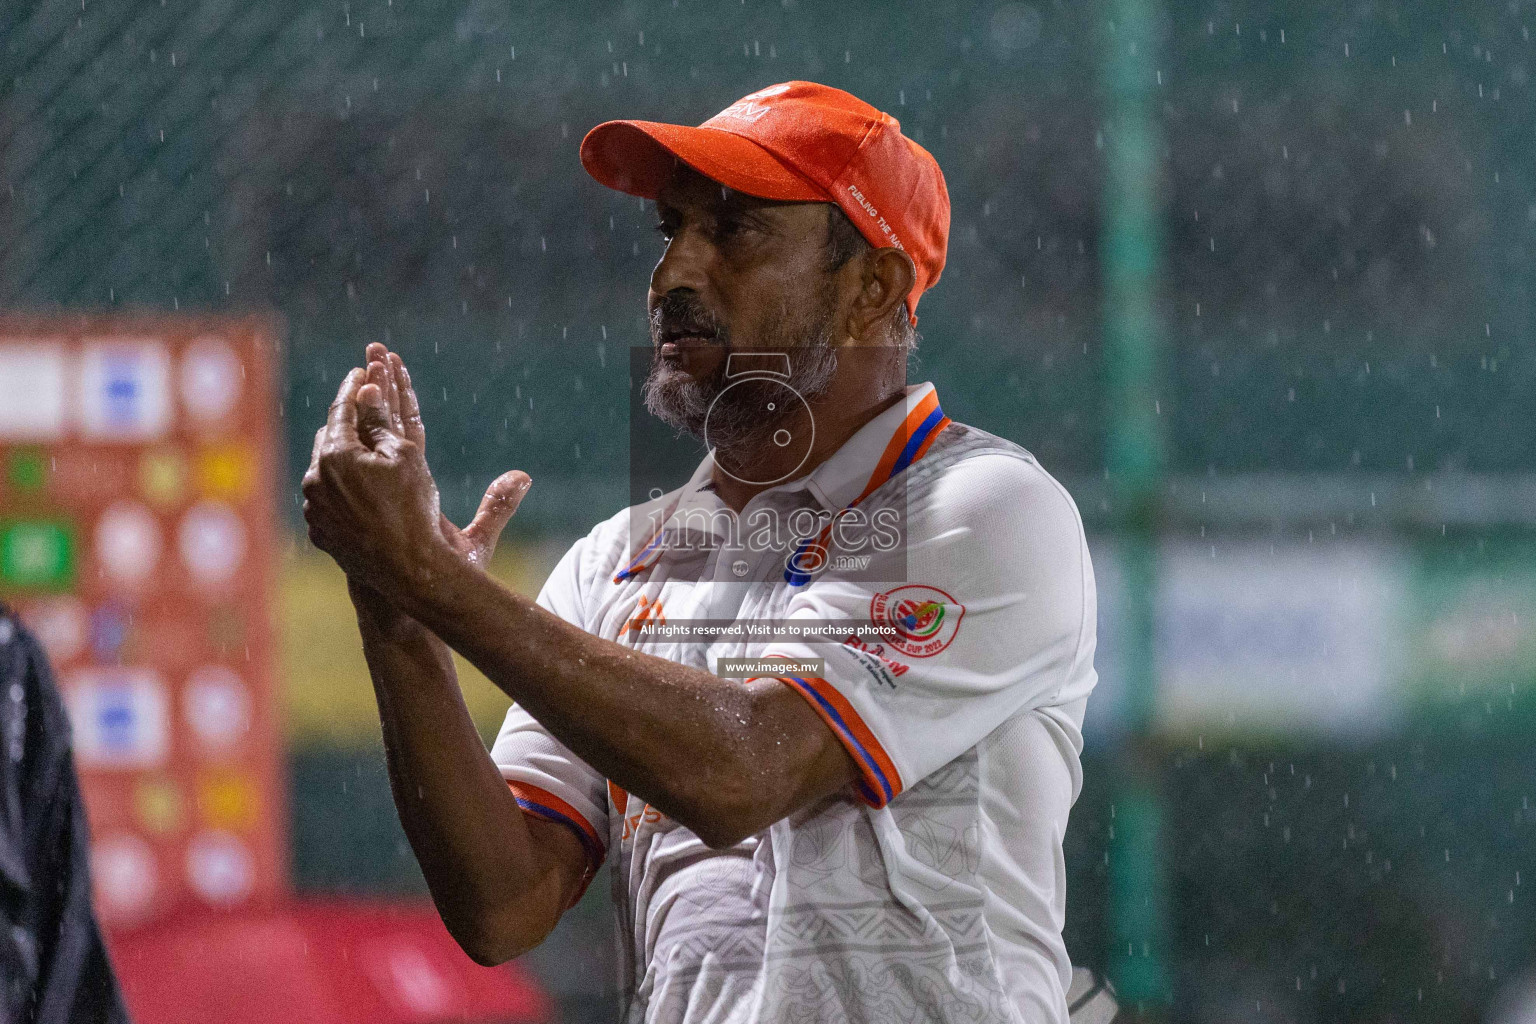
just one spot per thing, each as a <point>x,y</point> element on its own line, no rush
<point>673,396</point>
<point>690,407</point>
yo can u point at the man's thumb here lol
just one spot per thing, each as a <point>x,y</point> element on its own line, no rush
<point>497,507</point>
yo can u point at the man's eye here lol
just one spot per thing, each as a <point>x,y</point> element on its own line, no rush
<point>665,231</point>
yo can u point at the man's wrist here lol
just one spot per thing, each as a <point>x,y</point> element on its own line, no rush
<point>424,592</point>
<point>376,614</point>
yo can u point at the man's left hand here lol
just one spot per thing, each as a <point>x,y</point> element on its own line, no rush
<point>477,541</point>
<point>374,440</point>
<point>369,499</point>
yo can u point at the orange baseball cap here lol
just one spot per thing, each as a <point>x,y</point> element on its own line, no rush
<point>800,142</point>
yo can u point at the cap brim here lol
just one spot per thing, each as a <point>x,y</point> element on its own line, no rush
<point>638,157</point>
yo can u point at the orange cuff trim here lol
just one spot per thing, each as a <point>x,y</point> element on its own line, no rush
<point>880,782</point>
<point>619,797</point>
<point>545,805</point>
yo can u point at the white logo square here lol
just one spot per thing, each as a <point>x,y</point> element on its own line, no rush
<point>33,385</point>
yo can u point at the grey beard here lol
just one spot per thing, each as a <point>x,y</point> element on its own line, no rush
<point>738,423</point>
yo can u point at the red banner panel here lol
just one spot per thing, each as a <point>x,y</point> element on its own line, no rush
<point>326,962</point>
<point>138,468</point>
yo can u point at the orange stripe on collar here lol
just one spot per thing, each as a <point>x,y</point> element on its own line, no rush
<point>898,442</point>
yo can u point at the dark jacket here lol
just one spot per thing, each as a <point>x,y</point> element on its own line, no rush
<point>53,965</point>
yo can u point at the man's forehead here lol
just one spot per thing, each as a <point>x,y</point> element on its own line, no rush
<point>687,187</point>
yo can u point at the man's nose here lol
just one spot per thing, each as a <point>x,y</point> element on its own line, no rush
<point>684,264</point>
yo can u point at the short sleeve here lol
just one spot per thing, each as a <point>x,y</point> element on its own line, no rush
<point>996,617</point>
<point>548,780</point>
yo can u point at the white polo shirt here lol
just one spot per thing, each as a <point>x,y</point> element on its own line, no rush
<point>934,890</point>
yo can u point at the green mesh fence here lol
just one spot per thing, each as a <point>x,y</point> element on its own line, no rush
<point>1346,206</point>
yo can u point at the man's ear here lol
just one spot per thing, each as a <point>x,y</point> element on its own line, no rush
<point>887,276</point>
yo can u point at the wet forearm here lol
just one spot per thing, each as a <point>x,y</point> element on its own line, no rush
<point>464,825</point>
<point>711,753</point>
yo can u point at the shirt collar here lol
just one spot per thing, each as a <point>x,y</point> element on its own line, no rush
<point>698,505</point>
<point>878,451</point>
<point>699,491</point>
<point>697,496</point>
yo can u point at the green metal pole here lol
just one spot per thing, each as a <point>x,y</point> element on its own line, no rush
<point>1132,251</point>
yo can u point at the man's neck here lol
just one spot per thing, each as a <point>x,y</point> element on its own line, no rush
<point>838,416</point>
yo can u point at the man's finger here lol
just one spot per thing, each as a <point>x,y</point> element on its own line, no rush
<point>396,404</point>
<point>341,390</point>
<point>393,446</point>
<point>410,409</point>
<point>497,507</point>
<point>379,355</point>
<point>373,424</point>
<point>378,376</point>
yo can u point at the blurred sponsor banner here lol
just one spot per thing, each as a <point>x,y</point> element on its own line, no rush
<point>1294,637</point>
<point>1353,639</point>
<point>137,462</point>
<point>1267,638</point>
